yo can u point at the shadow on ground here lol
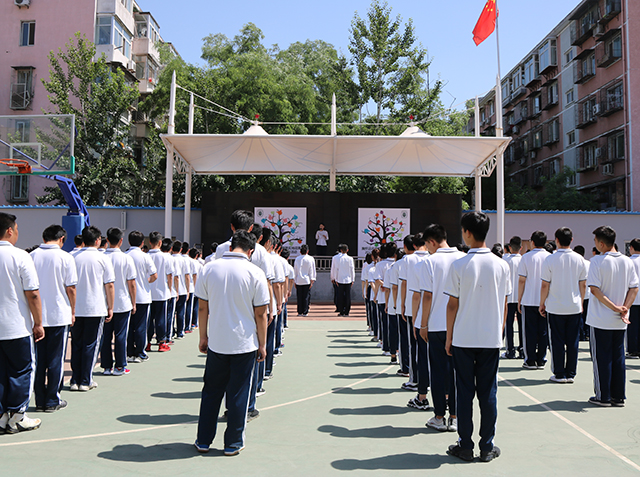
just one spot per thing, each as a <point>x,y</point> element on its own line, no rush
<point>359,364</point>
<point>360,376</point>
<point>366,391</point>
<point>523,382</point>
<point>371,411</point>
<point>570,406</point>
<point>158,420</point>
<point>189,395</point>
<point>350,355</point>
<point>196,366</point>
<point>189,379</point>
<point>155,453</point>
<point>385,432</point>
<point>351,341</point>
<point>407,461</point>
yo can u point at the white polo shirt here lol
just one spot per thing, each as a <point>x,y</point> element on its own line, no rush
<point>144,269</point>
<point>481,282</point>
<point>345,270</point>
<point>413,284</point>
<point>222,249</point>
<point>390,277</point>
<point>334,266</point>
<point>124,270</point>
<point>587,294</point>
<point>635,258</point>
<point>18,274</point>
<point>381,271</point>
<point>531,268</point>
<point>563,271</point>
<point>164,264</point>
<point>278,269</point>
<point>305,269</point>
<point>614,274</point>
<point>176,269</point>
<point>233,286</point>
<point>179,266</point>
<point>292,272</point>
<point>322,236</point>
<point>433,274</point>
<point>94,272</point>
<point>56,271</point>
<point>191,266</point>
<point>365,271</point>
<point>513,259</point>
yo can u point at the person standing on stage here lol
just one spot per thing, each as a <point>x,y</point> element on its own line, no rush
<point>322,238</point>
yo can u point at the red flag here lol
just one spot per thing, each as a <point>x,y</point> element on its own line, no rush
<point>486,23</point>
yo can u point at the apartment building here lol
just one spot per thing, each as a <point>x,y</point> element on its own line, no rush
<point>122,31</point>
<point>573,101</point>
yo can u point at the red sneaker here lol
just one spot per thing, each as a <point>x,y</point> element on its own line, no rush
<point>148,348</point>
<point>164,347</point>
<point>188,331</point>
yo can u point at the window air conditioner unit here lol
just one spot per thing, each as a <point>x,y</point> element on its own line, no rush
<point>598,31</point>
<point>22,3</point>
<point>596,109</point>
<point>131,66</point>
<point>607,169</point>
<point>598,152</point>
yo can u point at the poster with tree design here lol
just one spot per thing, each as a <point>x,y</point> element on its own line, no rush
<point>379,226</point>
<point>289,224</point>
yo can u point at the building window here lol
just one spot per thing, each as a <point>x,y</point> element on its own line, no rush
<point>492,109</point>
<point>22,88</point>
<point>569,96</point>
<point>122,39</point>
<point>506,89</point>
<point>531,70</point>
<point>552,93</point>
<point>571,138</point>
<point>20,188</point>
<point>27,33</point>
<point>547,55</point>
<point>616,146</point>
<point>553,133</point>
<point>554,167</point>
<point>568,56</point>
<point>103,31</point>
<point>22,130</point>
<point>536,105</point>
<point>537,139</point>
<point>517,79</point>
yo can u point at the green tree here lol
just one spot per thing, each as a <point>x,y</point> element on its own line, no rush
<point>100,97</point>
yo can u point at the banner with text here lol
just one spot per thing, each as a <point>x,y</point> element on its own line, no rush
<point>378,226</point>
<point>289,224</point>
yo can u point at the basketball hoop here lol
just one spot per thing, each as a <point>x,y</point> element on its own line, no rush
<point>23,165</point>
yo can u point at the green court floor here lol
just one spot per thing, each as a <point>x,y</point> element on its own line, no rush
<point>334,407</point>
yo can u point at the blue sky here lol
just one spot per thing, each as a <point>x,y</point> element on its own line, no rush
<point>443,27</point>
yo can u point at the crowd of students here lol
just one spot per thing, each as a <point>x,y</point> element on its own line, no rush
<point>443,313</point>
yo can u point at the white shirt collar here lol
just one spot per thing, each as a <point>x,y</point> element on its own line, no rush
<point>234,255</point>
<point>49,246</point>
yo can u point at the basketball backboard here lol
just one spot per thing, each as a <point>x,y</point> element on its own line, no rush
<point>44,141</point>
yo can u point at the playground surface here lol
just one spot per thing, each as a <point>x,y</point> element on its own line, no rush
<point>334,407</point>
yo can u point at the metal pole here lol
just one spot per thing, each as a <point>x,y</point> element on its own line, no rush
<point>499,166</point>
<point>171,129</point>
<point>186,233</point>
<point>478,177</point>
<point>334,133</point>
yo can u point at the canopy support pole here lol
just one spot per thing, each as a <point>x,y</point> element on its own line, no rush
<point>334,133</point>
<point>499,165</point>
<point>186,234</point>
<point>168,194</point>
<point>478,177</point>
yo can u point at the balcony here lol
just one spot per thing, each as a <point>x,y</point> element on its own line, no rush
<point>611,100</point>
<point>608,53</point>
<point>518,92</point>
<point>586,160</point>
<point>582,28</point>
<point>584,70</point>
<point>540,174</point>
<point>587,113</point>
<point>611,9</point>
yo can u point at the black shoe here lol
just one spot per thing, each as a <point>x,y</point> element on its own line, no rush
<point>488,456</point>
<point>61,405</point>
<point>599,402</point>
<point>457,451</point>
<point>393,360</point>
<point>617,402</point>
<point>251,415</point>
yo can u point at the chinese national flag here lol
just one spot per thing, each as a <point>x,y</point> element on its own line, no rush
<point>486,23</point>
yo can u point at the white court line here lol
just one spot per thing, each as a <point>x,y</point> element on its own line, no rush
<point>168,426</point>
<point>572,424</point>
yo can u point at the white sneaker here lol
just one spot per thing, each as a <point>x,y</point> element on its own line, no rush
<point>452,424</point>
<point>386,353</point>
<point>570,380</point>
<point>20,422</point>
<point>107,372</point>
<point>437,424</point>
<point>73,387</point>
<point>557,380</point>
<point>370,333</point>
<point>85,388</point>
<point>379,345</point>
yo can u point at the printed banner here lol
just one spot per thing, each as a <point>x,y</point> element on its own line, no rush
<point>288,223</point>
<point>378,226</point>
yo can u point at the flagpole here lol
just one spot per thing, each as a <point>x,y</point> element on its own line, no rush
<point>500,157</point>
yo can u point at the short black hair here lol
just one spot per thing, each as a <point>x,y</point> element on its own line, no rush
<point>285,253</point>
<point>564,236</point>
<point>389,248</point>
<point>595,250</point>
<point>477,223</point>
<point>367,258</point>
<point>103,242</point>
<point>550,247</point>
<point>400,254</point>
<point>436,232</point>
<point>418,241</point>
<point>539,238</point>
<point>256,230</point>
<point>343,248</point>
<point>193,253</point>
<point>166,245</point>
<point>7,221</point>
<point>635,243</point>
<point>408,242</point>
<point>497,250</point>
<point>114,235</point>
<point>304,249</point>
<point>78,240</point>
<point>53,232</point>
<point>266,236</point>
<point>579,249</point>
<point>90,234</point>
<point>463,247</point>
<point>185,247</point>
<point>136,238</point>
<point>155,238</point>
<point>243,240</point>
<point>242,219</point>
<point>213,247</point>
<point>515,243</point>
<point>176,246</point>
<point>605,234</point>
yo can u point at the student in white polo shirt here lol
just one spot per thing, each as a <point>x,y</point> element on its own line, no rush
<point>233,296</point>
<point>434,273</point>
<point>391,278</point>
<point>123,304</point>
<point>20,326</point>
<point>344,277</point>
<point>146,274</point>
<point>633,329</point>
<point>406,320</point>
<point>513,315</point>
<point>198,264</point>
<point>270,242</point>
<point>564,278</point>
<point>477,286</point>
<point>535,326</point>
<point>94,306</point>
<point>614,287</point>
<point>191,266</point>
<point>366,265</point>
<point>414,305</point>
<point>58,279</point>
<point>183,276</point>
<point>305,277</point>
<point>387,256</point>
<point>403,336</point>
<point>165,248</point>
<point>160,292</point>
<point>79,244</point>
